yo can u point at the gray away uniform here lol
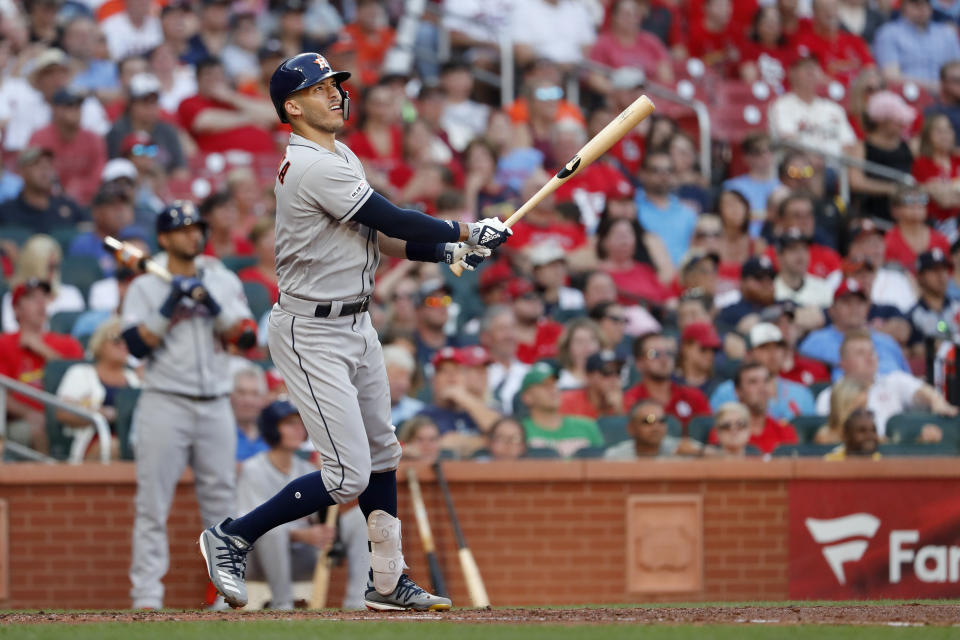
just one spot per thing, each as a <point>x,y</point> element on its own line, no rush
<point>183,416</point>
<point>333,366</point>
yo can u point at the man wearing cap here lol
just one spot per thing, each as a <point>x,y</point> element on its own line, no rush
<point>603,394</point>
<point>756,291</point>
<point>935,315</point>
<point>849,312</point>
<point>887,394</point>
<point>23,355</point>
<point>768,347</point>
<point>655,355</point>
<point>37,208</point>
<point>111,210</point>
<point>434,299</point>
<point>548,426</point>
<point>804,116</point>
<point>914,48</point>
<point>793,282</point>
<point>78,154</point>
<point>699,344</point>
<point>537,334</point>
<point>550,276</point>
<point>142,114</point>
<point>753,388</point>
<point>890,286</point>
<point>909,209</point>
<point>796,368</point>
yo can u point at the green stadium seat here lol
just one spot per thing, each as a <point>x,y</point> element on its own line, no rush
<point>613,428</point>
<point>590,452</point>
<point>258,298</point>
<point>480,454</point>
<point>542,453</point>
<point>447,454</point>
<point>674,428</point>
<point>904,428</point>
<point>807,426</point>
<point>60,438</point>
<point>125,403</point>
<point>63,321</point>
<point>18,235</point>
<point>915,450</point>
<point>236,263</point>
<point>81,272</point>
<point>803,450</point>
<point>699,427</point>
<point>817,387</point>
<point>64,236</point>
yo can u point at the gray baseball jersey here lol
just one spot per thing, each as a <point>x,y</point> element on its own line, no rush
<point>321,254</point>
<point>190,359</point>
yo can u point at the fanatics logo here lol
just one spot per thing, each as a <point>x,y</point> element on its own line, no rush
<point>857,525</point>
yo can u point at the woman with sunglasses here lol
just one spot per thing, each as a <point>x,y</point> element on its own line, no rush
<point>732,426</point>
<point>94,387</point>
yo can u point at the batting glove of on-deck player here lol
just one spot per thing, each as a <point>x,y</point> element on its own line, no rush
<point>467,256</point>
<point>489,233</point>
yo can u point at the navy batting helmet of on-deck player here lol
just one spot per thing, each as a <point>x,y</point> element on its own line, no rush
<point>182,213</point>
<point>269,420</point>
<point>302,71</point>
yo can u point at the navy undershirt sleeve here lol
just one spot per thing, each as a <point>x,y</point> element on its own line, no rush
<point>384,216</point>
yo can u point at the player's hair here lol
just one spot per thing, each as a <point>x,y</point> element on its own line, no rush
<point>34,262</point>
<point>112,325</point>
<point>742,370</point>
<point>852,336</point>
<point>255,372</point>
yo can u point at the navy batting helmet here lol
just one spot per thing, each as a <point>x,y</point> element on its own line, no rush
<point>270,418</point>
<point>301,71</point>
<point>182,213</point>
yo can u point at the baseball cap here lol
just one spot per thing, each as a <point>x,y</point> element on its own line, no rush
<point>475,356</point>
<point>68,97</point>
<point>791,236</point>
<point>27,286</point>
<point>538,373</point>
<point>801,55</point>
<point>849,287</point>
<point>31,154</point>
<point>764,333</point>
<point>757,267</point>
<point>703,334</point>
<point>143,85</point>
<point>931,259</point>
<point>518,288</point>
<point>544,253</point>
<point>431,287</point>
<point>49,58</point>
<point>271,49</point>
<point>622,189</point>
<point>448,354</point>
<point>696,256</point>
<point>603,360</point>
<point>118,168</point>
<point>494,275</point>
<point>774,312</point>
<point>109,193</point>
<point>863,226</point>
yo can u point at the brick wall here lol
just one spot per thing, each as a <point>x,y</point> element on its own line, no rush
<point>542,532</point>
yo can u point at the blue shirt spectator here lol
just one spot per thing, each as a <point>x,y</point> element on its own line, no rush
<point>99,75</point>
<point>824,345</point>
<point>759,181</point>
<point>110,208</point>
<point>792,399</point>
<point>915,47</point>
<point>10,185</point>
<point>247,448</point>
<point>673,223</point>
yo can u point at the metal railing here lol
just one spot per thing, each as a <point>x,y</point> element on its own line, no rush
<point>8,384</point>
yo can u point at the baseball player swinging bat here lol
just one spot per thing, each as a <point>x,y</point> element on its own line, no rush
<point>426,535</point>
<point>471,573</point>
<point>321,572</point>
<point>630,117</point>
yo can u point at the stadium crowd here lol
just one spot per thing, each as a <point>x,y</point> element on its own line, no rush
<point>643,310</point>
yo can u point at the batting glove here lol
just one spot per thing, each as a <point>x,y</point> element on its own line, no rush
<point>489,233</point>
<point>467,256</point>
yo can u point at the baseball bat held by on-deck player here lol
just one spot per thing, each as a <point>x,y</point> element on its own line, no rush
<point>595,147</point>
<point>133,258</point>
<point>426,535</point>
<point>321,572</point>
<point>471,573</point>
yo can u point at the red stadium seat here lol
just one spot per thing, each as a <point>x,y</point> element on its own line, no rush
<point>739,108</point>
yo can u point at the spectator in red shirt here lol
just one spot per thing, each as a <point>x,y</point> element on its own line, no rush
<point>537,335</point>
<point>765,50</point>
<point>796,211</point>
<point>264,271</point>
<point>378,139</point>
<point>619,241</point>
<point>796,367</point>
<point>78,154</point>
<point>911,235</point>
<point>656,355</point>
<point>223,239</point>
<point>937,168</point>
<point>752,384</point>
<point>841,53</point>
<point>699,344</point>
<point>715,38</point>
<point>544,223</point>
<point>625,44</point>
<point>220,119</point>
<point>23,355</point>
<point>373,37</point>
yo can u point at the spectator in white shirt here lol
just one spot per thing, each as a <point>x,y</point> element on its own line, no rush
<point>888,394</point>
<point>463,119</point>
<point>558,30</point>
<point>793,282</point>
<point>133,31</point>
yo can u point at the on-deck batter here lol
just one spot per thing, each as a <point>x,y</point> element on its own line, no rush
<point>331,228</point>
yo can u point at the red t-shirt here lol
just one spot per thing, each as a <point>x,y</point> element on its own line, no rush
<point>823,260</point>
<point>646,52</point>
<point>544,343</point>
<point>685,402</point>
<point>639,283</point>
<point>575,402</point>
<point>568,235</point>
<point>600,178</point>
<point>78,162</point>
<point>246,138</point>
<point>774,433</point>
<point>629,151</point>
<point>360,144</point>
<point>926,170</point>
<point>719,50</point>
<point>806,371</point>
<point>841,57</point>
<point>252,274</point>
<point>26,366</point>
<point>899,251</point>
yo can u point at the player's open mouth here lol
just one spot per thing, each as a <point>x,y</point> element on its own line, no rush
<point>335,107</point>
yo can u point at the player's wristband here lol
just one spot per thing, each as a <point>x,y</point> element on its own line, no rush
<point>426,252</point>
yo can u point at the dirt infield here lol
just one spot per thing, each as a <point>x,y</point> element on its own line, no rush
<point>893,615</point>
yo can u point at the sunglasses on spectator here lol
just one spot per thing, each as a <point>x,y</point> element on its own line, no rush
<point>700,235</point>
<point>545,94</point>
<point>797,173</point>
<point>735,424</point>
<point>651,418</point>
<point>913,198</point>
<point>653,354</point>
<point>115,338</point>
<point>617,319</point>
<point>761,151</point>
<point>661,170</point>
<point>613,372</point>
<point>149,150</point>
<point>438,301</point>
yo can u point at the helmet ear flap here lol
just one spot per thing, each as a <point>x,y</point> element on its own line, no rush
<point>344,102</point>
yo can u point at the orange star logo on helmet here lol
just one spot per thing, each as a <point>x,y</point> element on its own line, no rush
<point>320,60</point>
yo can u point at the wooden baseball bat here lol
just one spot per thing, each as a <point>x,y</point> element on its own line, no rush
<point>471,573</point>
<point>321,572</point>
<point>426,535</point>
<point>133,258</point>
<point>630,117</point>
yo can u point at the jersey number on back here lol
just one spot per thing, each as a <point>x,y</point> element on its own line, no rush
<point>283,170</point>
